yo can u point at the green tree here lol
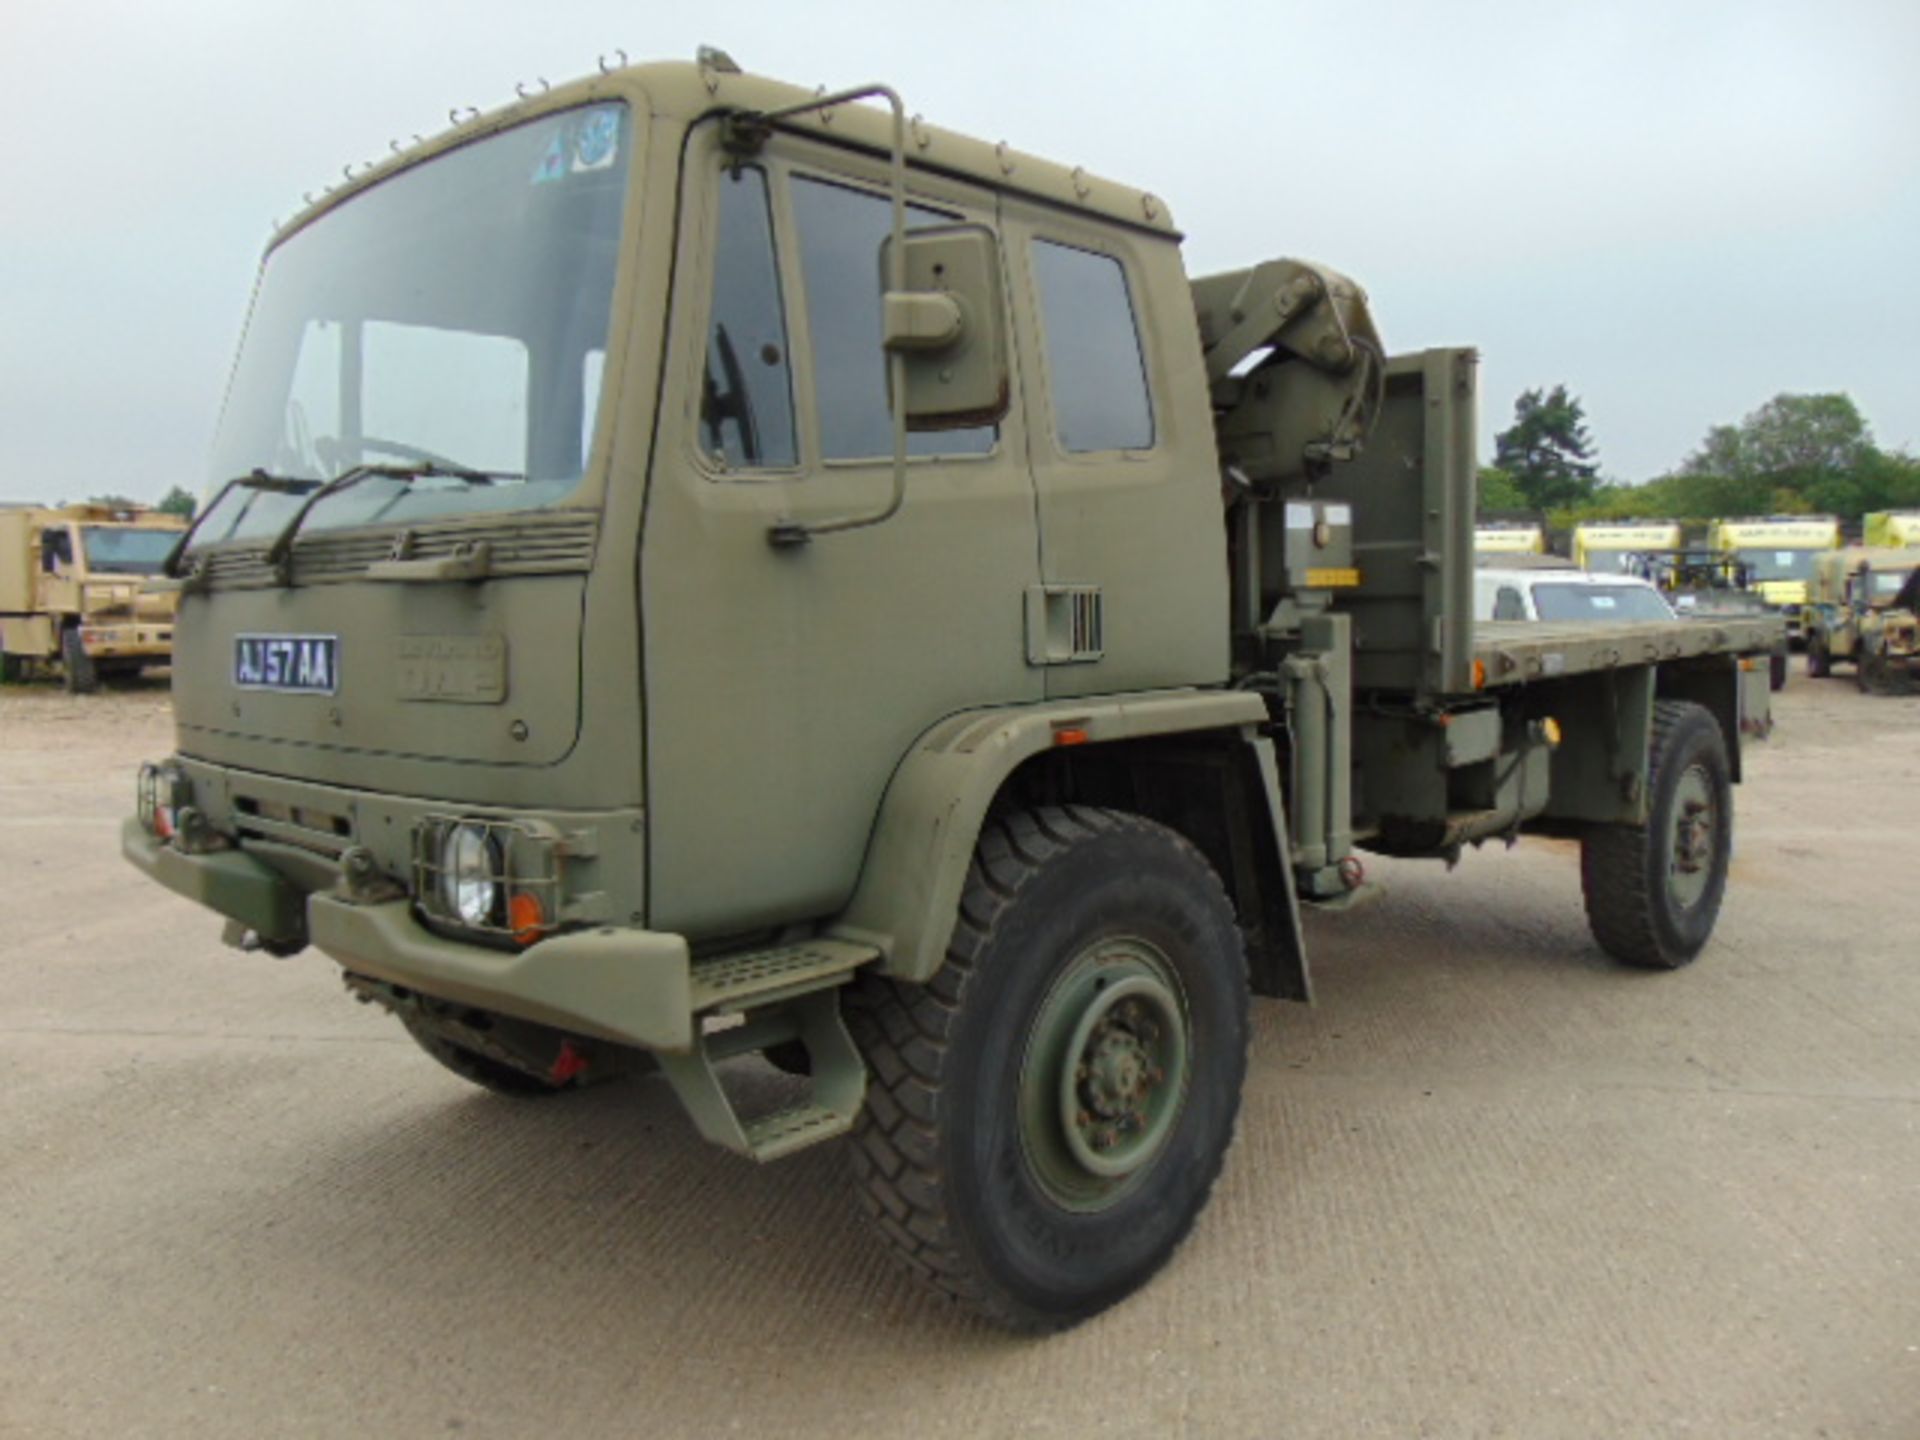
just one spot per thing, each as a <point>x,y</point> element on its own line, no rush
<point>178,501</point>
<point>1547,449</point>
<point>114,502</point>
<point>1795,453</point>
<point>1498,491</point>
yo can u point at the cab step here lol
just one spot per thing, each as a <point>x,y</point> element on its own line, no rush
<point>785,994</point>
<point>760,977</point>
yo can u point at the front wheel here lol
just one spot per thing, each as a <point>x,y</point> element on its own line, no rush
<point>1049,1112</point>
<point>1777,671</point>
<point>76,665</point>
<point>1653,891</point>
<point>1819,665</point>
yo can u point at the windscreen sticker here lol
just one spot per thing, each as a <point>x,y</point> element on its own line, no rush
<point>581,144</point>
<point>553,163</point>
<point>597,142</point>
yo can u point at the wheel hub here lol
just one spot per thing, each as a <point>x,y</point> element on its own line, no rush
<point>1695,838</point>
<point>1105,1073</point>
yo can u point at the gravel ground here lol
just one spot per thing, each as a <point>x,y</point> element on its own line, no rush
<point>1490,1185</point>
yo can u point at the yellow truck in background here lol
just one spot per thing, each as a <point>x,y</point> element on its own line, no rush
<point>1779,552</point>
<point>1612,547</point>
<point>73,592</point>
<point>1891,529</point>
<point>1510,539</point>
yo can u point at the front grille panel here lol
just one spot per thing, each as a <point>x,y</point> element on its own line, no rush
<point>529,544</point>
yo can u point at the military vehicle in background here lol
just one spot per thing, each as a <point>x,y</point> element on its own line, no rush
<point>1609,547</point>
<point>1862,605</point>
<point>1712,586</point>
<point>73,592</point>
<point>1779,552</point>
<point>778,578</point>
<point>1890,529</point>
<point>1510,538</point>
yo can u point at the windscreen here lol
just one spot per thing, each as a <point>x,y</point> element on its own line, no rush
<point>454,317</point>
<point>122,550</point>
<point>1599,602</point>
<point>1887,584</point>
<point>1780,564</point>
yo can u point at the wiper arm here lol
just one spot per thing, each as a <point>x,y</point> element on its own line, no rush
<point>280,552</point>
<point>255,479</point>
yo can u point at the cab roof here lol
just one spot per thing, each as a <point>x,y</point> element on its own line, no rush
<point>680,92</point>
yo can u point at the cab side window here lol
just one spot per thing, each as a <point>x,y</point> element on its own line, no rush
<point>841,232</point>
<point>56,551</point>
<point>1507,605</point>
<point>1095,371</point>
<point>746,395</point>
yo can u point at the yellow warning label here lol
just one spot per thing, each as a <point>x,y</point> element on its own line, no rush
<point>1332,579</point>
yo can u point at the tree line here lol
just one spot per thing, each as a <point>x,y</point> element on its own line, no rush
<point>1795,455</point>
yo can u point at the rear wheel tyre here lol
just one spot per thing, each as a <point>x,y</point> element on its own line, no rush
<point>482,1070</point>
<point>9,668</point>
<point>76,665</point>
<point>1653,892</point>
<point>1777,672</point>
<point>1047,1115</point>
<point>1818,664</point>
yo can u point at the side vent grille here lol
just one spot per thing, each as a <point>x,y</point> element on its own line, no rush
<point>1066,624</point>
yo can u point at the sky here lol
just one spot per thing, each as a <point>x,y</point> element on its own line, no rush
<point>1677,210</point>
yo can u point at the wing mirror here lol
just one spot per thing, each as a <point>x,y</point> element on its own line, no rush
<point>948,328</point>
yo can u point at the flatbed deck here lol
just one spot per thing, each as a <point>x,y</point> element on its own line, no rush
<point>1517,651</point>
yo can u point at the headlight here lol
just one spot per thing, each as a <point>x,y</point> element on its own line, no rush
<point>470,875</point>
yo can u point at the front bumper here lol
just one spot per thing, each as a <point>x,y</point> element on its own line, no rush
<point>127,642</point>
<point>630,986</point>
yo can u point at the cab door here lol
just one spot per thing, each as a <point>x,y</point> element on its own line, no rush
<point>1120,435</point>
<point>784,684</point>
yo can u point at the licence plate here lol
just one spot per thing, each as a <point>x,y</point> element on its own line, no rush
<point>298,664</point>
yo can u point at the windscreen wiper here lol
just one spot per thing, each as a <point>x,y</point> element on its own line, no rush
<point>280,552</point>
<point>255,479</point>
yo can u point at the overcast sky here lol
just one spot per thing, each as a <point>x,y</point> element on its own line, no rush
<point>1678,210</point>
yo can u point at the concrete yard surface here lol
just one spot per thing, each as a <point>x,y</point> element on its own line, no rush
<point>1490,1185</point>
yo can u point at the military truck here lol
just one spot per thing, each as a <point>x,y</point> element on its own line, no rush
<point>1609,546</point>
<point>1862,605</point>
<point>73,592</point>
<point>780,579</point>
<point>1710,586</point>
<point>1779,552</point>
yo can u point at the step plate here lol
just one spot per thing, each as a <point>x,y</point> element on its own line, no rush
<point>732,981</point>
<point>782,1133</point>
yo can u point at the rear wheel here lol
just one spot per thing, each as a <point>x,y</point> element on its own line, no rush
<point>76,665</point>
<point>1653,891</point>
<point>1048,1114</point>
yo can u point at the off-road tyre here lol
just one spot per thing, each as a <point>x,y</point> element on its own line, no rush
<point>965,1150</point>
<point>76,666</point>
<point>1881,674</point>
<point>1819,663</point>
<point>10,668</point>
<point>1644,904</point>
<point>482,1070</point>
<point>1777,671</point>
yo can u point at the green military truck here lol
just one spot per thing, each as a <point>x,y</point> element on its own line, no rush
<point>1863,609</point>
<point>705,569</point>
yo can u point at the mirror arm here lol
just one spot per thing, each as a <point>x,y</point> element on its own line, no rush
<point>789,533</point>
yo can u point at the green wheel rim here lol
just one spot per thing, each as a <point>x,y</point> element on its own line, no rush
<point>1104,1076</point>
<point>1695,838</point>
